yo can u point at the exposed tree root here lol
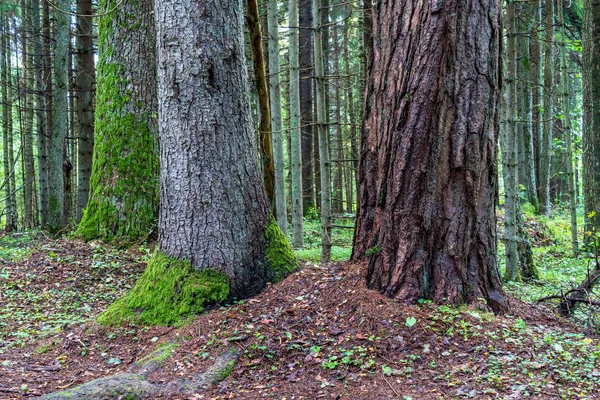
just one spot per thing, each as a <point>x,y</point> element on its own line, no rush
<point>135,385</point>
<point>568,302</point>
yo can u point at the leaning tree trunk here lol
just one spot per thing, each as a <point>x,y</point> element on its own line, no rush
<point>86,72</point>
<point>217,237</point>
<point>427,176</point>
<point>123,201</point>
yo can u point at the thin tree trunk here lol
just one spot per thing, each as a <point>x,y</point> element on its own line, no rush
<point>548,115</point>
<point>86,75</point>
<point>276,124</point>
<point>535,62</point>
<point>295,132</point>
<point>509,152</point>
<point>566,111</point>
<point>260,76</point>
<point>307,112</point>
<point>324,164</point>
<point>338,184</point>
<point>27,134</point>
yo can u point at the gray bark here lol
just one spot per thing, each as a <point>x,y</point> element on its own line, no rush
<point>296,150</point>
<point>306,104</point>
<point>214,208</point>
<point>548,115</point>
<point>56,195</point>
<point>86,72</point>
<point>278,134</point>
<point>324,164</point>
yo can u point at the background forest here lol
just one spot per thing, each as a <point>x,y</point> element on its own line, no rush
<point>87,89</point>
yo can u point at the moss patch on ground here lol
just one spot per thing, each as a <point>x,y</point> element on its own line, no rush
<point>168,291</point>
<point>279,253</point>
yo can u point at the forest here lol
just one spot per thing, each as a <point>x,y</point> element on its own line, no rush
<point>300,199</point>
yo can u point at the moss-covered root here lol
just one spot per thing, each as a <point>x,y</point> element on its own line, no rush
<point>135,386</point>
<point>279,255</point>
<point>168,291</point>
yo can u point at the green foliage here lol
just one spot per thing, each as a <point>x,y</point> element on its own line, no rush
<point>279,254</point>
<point>168,291</point>
<point>342,241</point>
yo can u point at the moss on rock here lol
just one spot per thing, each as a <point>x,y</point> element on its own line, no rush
<point>168,291</point>
<point>279,254</point>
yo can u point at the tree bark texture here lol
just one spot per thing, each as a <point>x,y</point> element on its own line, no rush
<point>262,88</point>
<point>548,115</point>
<point>306,103</point>
<point>278,134</point>
<point>123,201</point>
<point>295,130</point>
<point>84,82</point>
<point>427,175</point>
<point>214,210</point>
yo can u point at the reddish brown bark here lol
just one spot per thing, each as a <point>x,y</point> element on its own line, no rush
<point>427,176</point>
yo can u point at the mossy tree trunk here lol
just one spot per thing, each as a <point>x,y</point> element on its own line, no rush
<point>123,201</point>
<point>217,236</point>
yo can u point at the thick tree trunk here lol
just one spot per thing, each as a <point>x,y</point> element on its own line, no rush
<point>214,210</point>
<point>548,115</point>
<point>278,134</point>
<point>123,202</point>
<point>262,88</point>
<point>306,104</point>
<point>427,174</point>
<point>86,75</point>
<point>324,164</point>
<point>295,131</point>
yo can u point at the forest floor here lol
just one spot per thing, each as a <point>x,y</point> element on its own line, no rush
<point>319,334</point>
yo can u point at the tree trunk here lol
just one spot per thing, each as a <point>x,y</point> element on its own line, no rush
<point>351,117</point>
<point>306,104</point>
<point>525,105</point>
<point>426,220</point>
<point>338,184</point>
<point>86,74</point>
<point>56,193</point>
<point>276,124</point>
<point>262,88</point>
<point>324,164</point>
<point>535,62</point>
<point>27,115</point>
<point>295,132</point>
<point>9,181</point>
<point>123,202</point>
<point>548,115</point>
<point>510,150</point>
<point>566,111</point>
<point>212,192</point>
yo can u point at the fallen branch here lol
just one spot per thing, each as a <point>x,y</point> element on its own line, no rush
<point>135,385</point>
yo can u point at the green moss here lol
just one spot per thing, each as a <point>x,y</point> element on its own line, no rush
<point>160,355</point>
<point>279,254</point>
<point>168,291</point>
<point>225,372</point>
<point>373,251</point>
<point>124,187</point>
